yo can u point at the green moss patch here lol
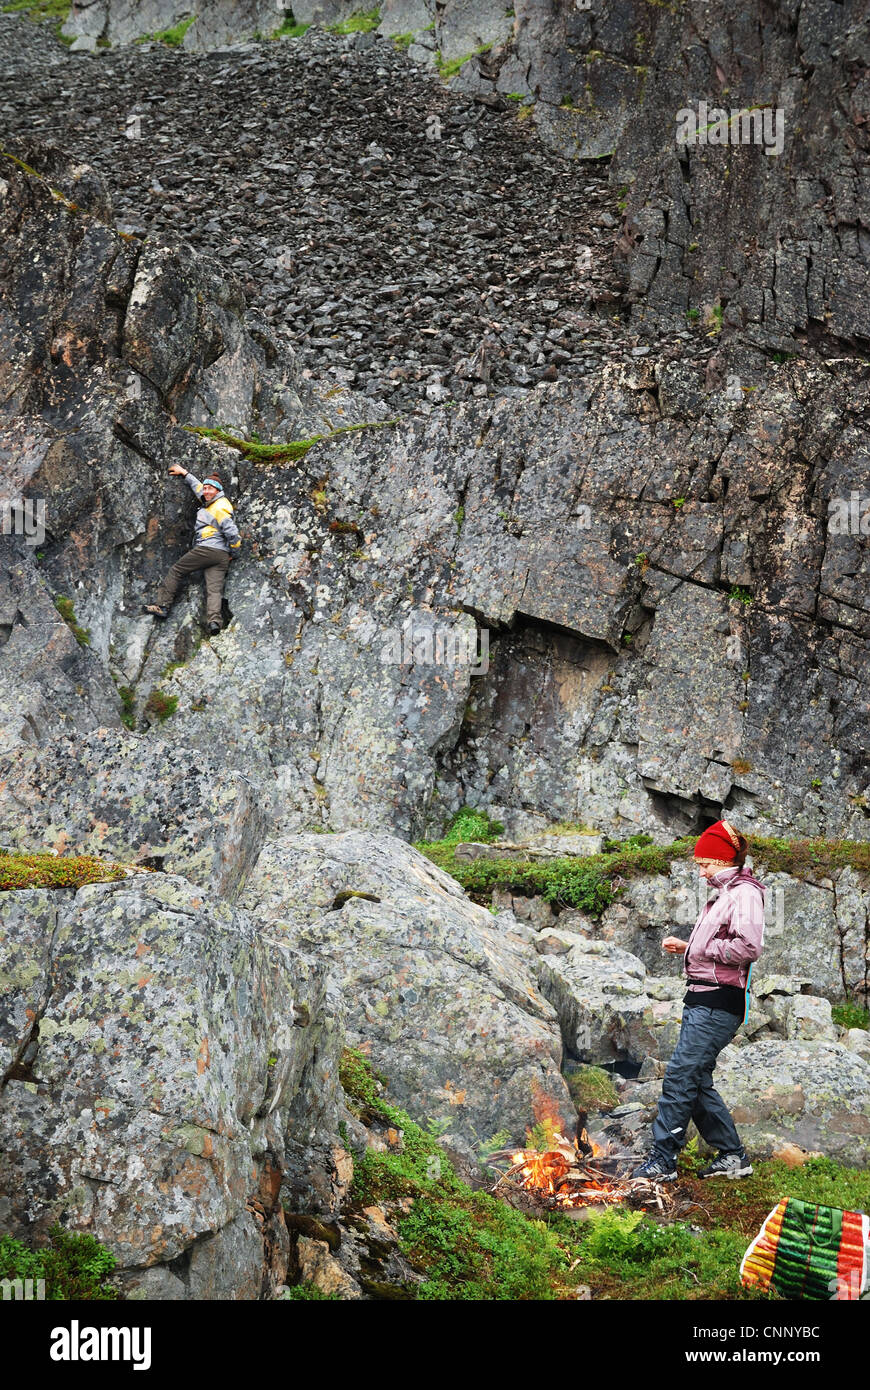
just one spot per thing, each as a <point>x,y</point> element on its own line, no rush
<point>66,610</point>
<point>361,23</point>
<point>289,29</point>
<point>451,68</point>
<point>52,10</point>
<point>44,870</point>
<point>173,37</point>
<point>161,705</point>
<point>850,1015</point>
<point>290,452</point>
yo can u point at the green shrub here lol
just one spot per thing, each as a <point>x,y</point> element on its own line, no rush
<point>128,706</point>
<point>470,824</point>
<point>309,1292</point>
<point>738,595</point>
<point>74,1266</point>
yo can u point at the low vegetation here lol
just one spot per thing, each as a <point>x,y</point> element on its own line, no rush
<point>469,824</point>
<point>361,23</point>
<point>128,706</point>
<point>173,38</point>
<point>592,1089</point>
<point>289,452</point>
<point>44,870</point>
<point>289,29</point>
<point>56,11</point>
<point>469,1245</point>
<point>66,610</point>
<point>161,705</point>
<point>448,69</point>
<point>73,1266</point>
<point>850,1015</point>
<point>592,883</point>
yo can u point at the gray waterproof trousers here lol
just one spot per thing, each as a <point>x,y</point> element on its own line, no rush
<point>215,562</point>
<point>688,1092</point>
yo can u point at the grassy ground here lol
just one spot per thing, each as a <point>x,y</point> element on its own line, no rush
<point>472,1246</point>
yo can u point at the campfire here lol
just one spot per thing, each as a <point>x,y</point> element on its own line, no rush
<point>570,1175</point>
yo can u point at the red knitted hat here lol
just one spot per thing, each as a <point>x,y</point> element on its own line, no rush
<point>718,841</point>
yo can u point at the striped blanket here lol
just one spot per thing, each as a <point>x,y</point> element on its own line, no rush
<point>804,1251</point>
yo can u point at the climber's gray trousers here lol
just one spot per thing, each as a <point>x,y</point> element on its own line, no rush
<point>215,563</point>
<point>688,1092</point>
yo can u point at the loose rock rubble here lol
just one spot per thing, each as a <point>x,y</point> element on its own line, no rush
<point>401,238</point>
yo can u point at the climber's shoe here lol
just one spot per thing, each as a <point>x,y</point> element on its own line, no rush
<point>155,610</point>
<point>214,629</point>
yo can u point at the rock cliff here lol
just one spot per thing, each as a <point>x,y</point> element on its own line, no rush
<point>552,467</point>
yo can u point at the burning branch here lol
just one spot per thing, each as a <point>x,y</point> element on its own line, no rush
<point>564,1178</point>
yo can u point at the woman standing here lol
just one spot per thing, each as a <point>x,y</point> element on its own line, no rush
<point>723,943</point>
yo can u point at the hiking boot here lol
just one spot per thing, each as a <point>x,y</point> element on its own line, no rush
<point>728,1166</point>
<point>656,1169</point>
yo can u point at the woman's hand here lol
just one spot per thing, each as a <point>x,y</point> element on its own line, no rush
<point>674,945</point>
<point>177,471</point>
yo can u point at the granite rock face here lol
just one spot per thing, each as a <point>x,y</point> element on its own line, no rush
<point>441,996</point>
<point>164,1065</point>
<point>628,619</point>
<point>815,1094</point>
<point>133,799</point>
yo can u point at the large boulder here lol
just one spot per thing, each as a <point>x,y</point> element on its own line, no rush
<point>443,1000</point>
<point>598,992</point>
<point>164,1066</point>
<point>815,1094</point>
<point>134,799</point>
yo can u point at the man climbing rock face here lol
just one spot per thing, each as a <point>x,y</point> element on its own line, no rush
<point>215,538</point>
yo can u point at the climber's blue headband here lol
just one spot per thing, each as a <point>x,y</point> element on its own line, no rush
<point>212,482</point>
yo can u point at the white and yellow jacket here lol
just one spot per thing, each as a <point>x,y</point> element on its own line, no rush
<point>214,523</point>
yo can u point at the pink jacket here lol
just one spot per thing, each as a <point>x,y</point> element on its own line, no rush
<point>729,933</point>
